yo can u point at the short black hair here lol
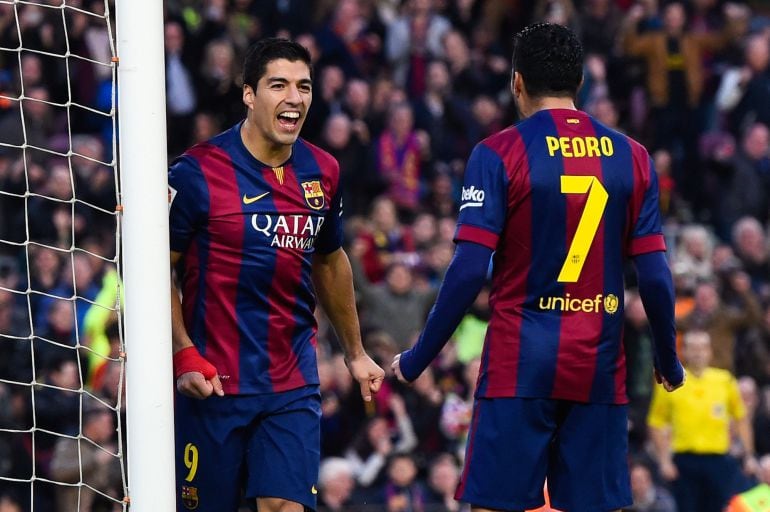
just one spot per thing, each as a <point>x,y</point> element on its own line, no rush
<point>549,58</point>
<point>261,53</point>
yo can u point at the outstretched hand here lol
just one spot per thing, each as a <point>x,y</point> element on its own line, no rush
<point>368,375</point>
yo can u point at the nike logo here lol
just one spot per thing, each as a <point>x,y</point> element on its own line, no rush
<point>249,200</point>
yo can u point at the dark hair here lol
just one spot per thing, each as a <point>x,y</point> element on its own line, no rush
<point>261,53</point>
<point>549,58</point>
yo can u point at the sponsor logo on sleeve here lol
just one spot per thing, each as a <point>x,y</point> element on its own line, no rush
<point>472,197</point>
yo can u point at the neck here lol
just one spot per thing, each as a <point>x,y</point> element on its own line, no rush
<point>263,150</point>
<point>536,105</point>
<point>696,371</point>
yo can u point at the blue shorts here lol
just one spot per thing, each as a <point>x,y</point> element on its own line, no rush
<point>515,443</point>
<point>249,446</point>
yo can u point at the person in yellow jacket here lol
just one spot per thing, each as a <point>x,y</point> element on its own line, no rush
<point>690,431</point>
<point>756,499</point>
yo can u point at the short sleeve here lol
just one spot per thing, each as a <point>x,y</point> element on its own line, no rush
<point>331,237</point>
<point>647,235</point>
<point>483,203</point>
<point>659,415</point>
<point>188,201</point>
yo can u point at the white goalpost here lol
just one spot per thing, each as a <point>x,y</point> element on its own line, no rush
<point>84,258</point>
<point>143,163</point>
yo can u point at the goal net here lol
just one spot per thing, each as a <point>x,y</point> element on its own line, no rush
<point>62,361</point>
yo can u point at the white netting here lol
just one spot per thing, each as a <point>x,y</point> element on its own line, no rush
<point>61,343</point>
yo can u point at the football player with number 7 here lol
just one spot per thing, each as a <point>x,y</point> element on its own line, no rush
<point>561,200</point>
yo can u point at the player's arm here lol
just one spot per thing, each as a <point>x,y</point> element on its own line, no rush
<point>656,289</point>
<point>465,276</point>
<point>195,377</point>
<point>333,281</point>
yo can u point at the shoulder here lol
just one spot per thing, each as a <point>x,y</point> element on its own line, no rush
<point>325,161</point>
<point>720,376</point>
<point>500,144</point>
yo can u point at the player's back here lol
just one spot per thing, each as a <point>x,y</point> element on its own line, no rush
<point>577,202</point>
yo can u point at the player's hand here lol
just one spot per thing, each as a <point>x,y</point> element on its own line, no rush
<point>396,367</point>
<point>195,376</point>
<point>666,384</point>
<point>195,385</point>
<point>366,372</point>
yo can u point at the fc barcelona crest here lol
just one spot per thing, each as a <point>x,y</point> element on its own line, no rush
<point>314,194</point>
<point>190,497</point>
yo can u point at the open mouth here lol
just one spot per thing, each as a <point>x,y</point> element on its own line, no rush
<point>289,120</point>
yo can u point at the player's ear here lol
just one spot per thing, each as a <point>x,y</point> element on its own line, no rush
<point>517,84</point>
<point>248,96</point>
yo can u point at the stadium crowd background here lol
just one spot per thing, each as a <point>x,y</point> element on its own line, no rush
<point>403,91</point>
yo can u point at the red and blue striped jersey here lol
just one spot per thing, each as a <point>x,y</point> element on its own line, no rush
<point>563,200</point>
<point>247,232</point>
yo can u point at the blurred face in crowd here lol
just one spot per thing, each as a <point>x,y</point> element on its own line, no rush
<point>377,430</point>
<point>485,111</point>
<point>59,183</point>
<point>99,426</point>
<point>674,18</point>
<point>756,143</point>
<point>340,484</point>
<point>697,350</point>
<point>31,69</point>
<point>456,49</point>
<point>750,240</point>
<point>399,279</point>
<point>424,228</point>
<point>402,471</point>
<point>384,215</point>
<point>358,96</point>
<point>438,78</point>
<point>219,60</point>
<point>444,476</point>
<point>401,121</point>
<point>206,127</point>
<point>279,104</point>
<point>706,298</point>
<point>332,82</point>
<point>61,317</point>
<point>66,376</point>
<point>174,37</point>
<point>35,107</point>
<point>337,131</point>
<point>757,53</point>
<point>309,42</point>
<point>604,110</point>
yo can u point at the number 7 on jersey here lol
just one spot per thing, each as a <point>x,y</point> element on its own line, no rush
<point>589,223</point>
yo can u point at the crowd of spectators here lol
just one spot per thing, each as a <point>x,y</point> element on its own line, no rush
<point>403,90</point>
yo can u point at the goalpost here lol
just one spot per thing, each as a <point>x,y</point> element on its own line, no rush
<point>78,38</point>
<point>142,115</point>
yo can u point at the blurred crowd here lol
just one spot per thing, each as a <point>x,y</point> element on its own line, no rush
<point>403,90</point>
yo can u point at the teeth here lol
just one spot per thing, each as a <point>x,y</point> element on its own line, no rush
<point>290,115</point>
